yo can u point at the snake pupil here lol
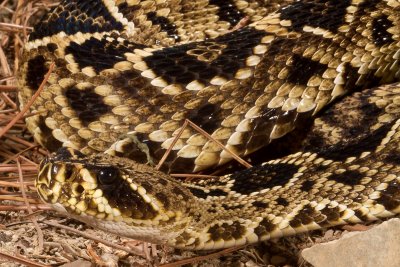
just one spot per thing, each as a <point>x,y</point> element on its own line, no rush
<point>107,175</point>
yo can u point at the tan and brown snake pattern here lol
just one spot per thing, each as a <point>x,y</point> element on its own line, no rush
<point>128,74</point>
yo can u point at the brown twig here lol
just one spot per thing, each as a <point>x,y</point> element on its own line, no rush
<point>21,199</point>
<point>9,101</point>
<point>8,88</point>
<point>209,137</point>
<point>22,260</point>
<point>14,27</point>
<point>12,167</point>
<point>26,143</point>
<point>14,184</point>
<point>205,134</point>
<point>166,154</point>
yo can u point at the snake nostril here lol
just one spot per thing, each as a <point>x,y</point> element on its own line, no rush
<point>77,189</point>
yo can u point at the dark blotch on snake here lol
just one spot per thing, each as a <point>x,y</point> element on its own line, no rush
<point>390,197</point>
<point>332,213</point>
<point>35,72</point>
<point>260,204</point>
<point>380,32</point>
<point>265,227</point>
<point>174,65</point>
<point>325,14</point>
<point>51,143</point>
<point>302,69</point>
<point>282,201</point>
<point>228,11</point>
<point>232,206</point>
<point>67,154</point>
<point>226,231</point>
<point>349,177</point>
<point>306,216</point>
<point>88,105</point>
<point>178,191</point>
<point>198,192</point>
<point>165,25</point>
<point>342,151</point>
<point>100,54</point>
<point>208,117</point>
<point>217,193</point>
<point>307,185</point>
<point>164,199</point>
<point>66,20</point>
<point>262,177</point>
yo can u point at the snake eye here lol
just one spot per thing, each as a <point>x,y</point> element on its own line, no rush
<point>77,189</point>
<point>107,175</point>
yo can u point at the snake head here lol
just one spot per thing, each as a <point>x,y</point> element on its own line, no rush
<point>115,194</point>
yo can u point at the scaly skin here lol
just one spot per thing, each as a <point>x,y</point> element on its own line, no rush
<point>127,77</point>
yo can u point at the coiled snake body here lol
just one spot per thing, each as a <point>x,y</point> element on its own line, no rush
<point>129,73</point>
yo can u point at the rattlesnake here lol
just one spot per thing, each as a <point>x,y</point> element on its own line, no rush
<point>129,73</point>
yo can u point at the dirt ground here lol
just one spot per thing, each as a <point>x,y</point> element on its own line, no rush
<point>33,235</point>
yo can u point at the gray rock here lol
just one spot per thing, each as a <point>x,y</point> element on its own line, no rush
<point>379,246</point>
